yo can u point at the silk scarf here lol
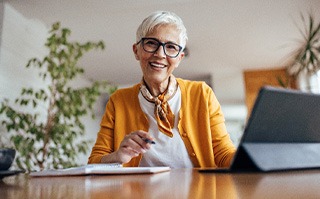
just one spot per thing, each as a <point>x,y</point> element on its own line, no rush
<point>163,114</point>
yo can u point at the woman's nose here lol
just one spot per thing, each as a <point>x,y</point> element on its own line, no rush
<point>160,52</point>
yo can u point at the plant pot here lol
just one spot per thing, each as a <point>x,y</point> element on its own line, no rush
<point>7,156</point>
<point>308,82</point>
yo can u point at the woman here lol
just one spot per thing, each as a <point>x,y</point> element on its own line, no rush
<point>163,120</point>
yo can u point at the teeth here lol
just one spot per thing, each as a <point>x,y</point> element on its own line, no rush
<point>157,65</point>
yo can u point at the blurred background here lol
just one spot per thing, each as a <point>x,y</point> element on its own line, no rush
<point>229,41</point>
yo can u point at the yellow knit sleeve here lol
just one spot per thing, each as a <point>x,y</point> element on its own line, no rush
<point>105,142</point>
<point>223,147</point>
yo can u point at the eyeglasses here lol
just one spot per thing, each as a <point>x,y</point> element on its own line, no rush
<point>151,45</point>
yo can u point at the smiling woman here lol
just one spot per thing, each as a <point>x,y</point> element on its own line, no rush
<point>182,117</point>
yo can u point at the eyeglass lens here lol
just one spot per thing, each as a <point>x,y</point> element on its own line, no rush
<point>151,45</point>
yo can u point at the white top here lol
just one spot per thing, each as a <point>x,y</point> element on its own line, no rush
<point>168,151</point>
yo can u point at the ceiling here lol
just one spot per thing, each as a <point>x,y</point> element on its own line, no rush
<point>225,37</point>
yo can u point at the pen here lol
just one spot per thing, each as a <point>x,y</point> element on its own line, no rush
<point>148,141</point>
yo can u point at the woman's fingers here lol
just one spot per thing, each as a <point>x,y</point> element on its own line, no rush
<point>135,140</point>
<point>133,144</point>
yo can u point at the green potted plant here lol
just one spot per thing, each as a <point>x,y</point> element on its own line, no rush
<point>306,58</point>
<point>53,138</point>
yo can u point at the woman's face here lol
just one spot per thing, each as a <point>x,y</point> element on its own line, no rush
<point>157,67</point>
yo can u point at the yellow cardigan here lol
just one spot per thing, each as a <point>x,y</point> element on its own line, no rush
<point>201,125</point>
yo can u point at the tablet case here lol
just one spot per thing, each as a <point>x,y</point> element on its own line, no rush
<point>277,156</point>
<point>283,132</point>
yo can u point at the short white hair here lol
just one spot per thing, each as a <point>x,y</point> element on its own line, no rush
<point>162,18</point>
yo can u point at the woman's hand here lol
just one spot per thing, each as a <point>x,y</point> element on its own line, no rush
<point>131,146</point>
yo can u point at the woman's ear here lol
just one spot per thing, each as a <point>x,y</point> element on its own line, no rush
<point>180,57</point>
<point>182,54</point>
<point>135,51</point>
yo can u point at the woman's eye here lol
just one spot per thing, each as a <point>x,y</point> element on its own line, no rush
<point>151,43</point>
<point>171,47</point>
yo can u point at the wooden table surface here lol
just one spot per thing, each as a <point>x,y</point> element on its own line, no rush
<point>178,183</point>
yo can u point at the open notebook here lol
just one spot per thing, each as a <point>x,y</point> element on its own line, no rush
<point>282,133</point>
<point>99,169</point>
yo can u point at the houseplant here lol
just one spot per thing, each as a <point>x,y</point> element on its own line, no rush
<point>52,138</point>
<point>306,58</point>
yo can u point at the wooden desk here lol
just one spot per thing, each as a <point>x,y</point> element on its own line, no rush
<point>178,183</point>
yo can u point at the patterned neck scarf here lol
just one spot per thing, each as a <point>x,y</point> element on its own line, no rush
<point>162,111</point>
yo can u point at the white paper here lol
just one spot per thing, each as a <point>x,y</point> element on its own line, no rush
<point>98,169</point>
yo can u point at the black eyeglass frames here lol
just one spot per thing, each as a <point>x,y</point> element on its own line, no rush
<point>151,45</point>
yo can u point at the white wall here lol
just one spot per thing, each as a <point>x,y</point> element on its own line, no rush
<point>1,21</point>
<point>235,116</point>
<point>21,40</point>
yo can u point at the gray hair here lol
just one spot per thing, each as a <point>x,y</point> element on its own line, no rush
<point>162,18</point>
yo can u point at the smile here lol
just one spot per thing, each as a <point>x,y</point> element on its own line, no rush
<point>157,65</point>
